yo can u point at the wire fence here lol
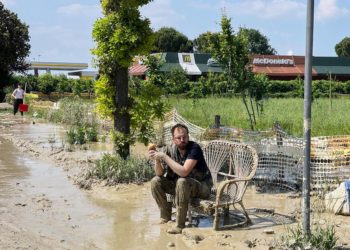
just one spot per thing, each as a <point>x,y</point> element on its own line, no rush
<point>280,155</point>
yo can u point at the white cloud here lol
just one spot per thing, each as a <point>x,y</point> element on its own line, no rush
<point>266,9</point>
<point>328,9</point>
<point>79,9</point>
<point>290,52</point>
<point>8,2</point>
<point>161,14</point>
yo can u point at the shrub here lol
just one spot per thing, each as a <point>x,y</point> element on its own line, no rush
<point>91,134</point>
<point>115,169</point>
<point>71,136</point>
<point>74,111</point>
<point>80,135</point>
<point>320,238</point>
<point>47,83</point>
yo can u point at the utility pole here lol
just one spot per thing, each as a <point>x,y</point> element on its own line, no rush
<point>307,116</point>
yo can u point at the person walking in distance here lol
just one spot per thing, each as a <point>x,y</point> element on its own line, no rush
<point>18,95</point>
<point>180,170</point>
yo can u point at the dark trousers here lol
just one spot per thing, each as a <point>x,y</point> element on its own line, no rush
<point>16,104</point>
<point>184,189</point>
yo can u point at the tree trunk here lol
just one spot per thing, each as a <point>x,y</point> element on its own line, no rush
<point>121,114</point>
<point>252,109</point>
<point>247,109</point>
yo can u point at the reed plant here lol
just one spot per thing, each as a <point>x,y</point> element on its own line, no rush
<point>328,117</point>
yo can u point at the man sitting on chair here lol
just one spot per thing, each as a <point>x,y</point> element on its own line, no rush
<point>180,170</point>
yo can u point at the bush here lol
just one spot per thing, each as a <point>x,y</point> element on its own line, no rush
<point>47,83</point>
<point>71,136</point>
<point>91,134</point>
<point>320,238</point>
<point>80,135</point>
<point>74,111</point>
<point>115,169</point>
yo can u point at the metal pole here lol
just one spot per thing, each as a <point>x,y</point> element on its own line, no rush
<point>307,115</point>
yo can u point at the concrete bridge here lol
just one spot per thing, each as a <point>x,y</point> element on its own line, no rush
<point>60,66</point>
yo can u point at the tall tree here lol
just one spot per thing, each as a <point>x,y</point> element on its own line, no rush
<point>119,35</point>
<point>205,42</point>
<point>343,47</point>
<point>257,42</point>
<point>170,40</point>
<point>14,45</point>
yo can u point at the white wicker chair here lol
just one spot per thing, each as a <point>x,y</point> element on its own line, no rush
<point>232,165</point>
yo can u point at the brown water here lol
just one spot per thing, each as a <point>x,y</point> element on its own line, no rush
<point>46,203</point>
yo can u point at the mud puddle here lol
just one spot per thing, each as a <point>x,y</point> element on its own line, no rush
<point>37,199</point>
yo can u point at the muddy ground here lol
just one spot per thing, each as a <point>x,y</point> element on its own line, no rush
<point>42,208</point>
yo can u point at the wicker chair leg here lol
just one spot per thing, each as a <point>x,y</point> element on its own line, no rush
<point>216,221</point>
<point>245,213</point>
<point>226,211</point>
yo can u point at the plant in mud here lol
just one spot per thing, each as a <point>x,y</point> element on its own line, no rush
<point>91,134</point>
<point>76,135</point>
<point>71,135</point>
<point>320,238</point>
<point>80,135</point>
<point>74,111</point>
<point>114,169</point>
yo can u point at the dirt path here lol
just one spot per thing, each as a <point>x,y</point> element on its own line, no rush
<point>40,208</point>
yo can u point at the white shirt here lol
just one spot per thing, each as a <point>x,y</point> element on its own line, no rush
<point>18,93</point>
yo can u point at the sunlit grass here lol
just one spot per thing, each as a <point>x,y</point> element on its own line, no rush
<point>328,118</point>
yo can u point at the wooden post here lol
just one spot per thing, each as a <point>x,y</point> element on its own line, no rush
<point>217,121</point>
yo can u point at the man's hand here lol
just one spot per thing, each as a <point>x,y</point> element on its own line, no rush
<point>155,155</point>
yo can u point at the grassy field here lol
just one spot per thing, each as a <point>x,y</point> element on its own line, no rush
<point>328,118</point>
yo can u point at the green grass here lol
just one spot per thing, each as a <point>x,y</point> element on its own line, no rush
<point>326,119</point>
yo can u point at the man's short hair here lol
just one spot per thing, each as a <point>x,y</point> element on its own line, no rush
<point>178,125</point>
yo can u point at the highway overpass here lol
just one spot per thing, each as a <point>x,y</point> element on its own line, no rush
<point>59,66</point>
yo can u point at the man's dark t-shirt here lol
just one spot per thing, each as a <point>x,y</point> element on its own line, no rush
<point>199,172</point>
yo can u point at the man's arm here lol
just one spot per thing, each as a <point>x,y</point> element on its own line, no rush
<point>158,168</point>
<point>181,171</point>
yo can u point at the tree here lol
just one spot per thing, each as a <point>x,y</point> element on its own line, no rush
<point>170,40</point>
<point>176,81</point>
<point>257,42</point>
<point>147,100</point>
<point>232,53</point>
<point>47,83</point>
<point>205,42</point>
<point>343,47</point>
<point>14,45</point>
<point>120,35</point>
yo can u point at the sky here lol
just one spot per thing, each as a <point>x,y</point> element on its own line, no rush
<point>61,30</point>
